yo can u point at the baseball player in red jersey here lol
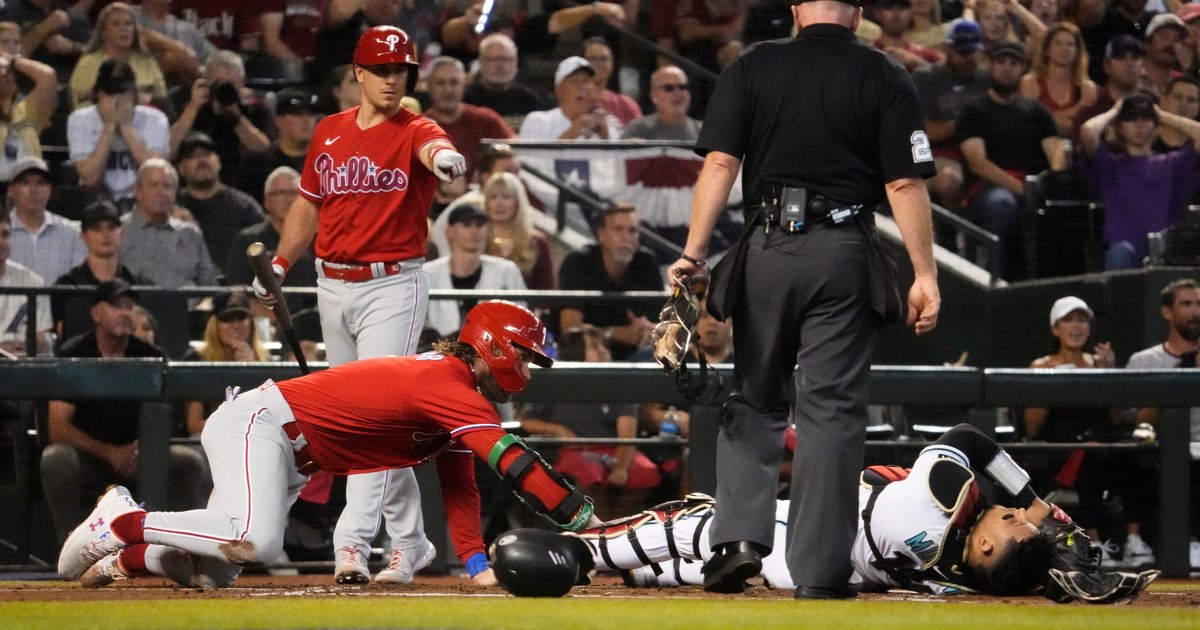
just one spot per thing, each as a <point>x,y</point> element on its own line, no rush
<point>365,192</point>
<point>368,415</point>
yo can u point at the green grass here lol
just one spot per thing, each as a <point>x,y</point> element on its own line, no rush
<point>608,613</point>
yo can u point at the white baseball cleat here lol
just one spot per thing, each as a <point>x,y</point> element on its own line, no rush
<point>93,540</point>
<point>405,564</point>
<point>350,566</point>
<point>105,572</point>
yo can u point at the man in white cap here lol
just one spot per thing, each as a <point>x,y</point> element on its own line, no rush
<point>1164,34</point>
<point>578,115</point>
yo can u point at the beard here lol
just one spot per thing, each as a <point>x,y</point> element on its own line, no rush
<point>1189,330</point>
<point>491,389</point>
<point>1005,90</point>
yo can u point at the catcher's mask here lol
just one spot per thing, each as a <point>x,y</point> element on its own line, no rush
<point>539,563</point>
<point>673,337</point>
<point>496,329</point>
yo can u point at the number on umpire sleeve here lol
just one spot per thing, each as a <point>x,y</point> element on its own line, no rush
<point>921,151</point>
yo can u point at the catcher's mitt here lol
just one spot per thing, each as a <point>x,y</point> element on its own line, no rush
<point>1075,572</point>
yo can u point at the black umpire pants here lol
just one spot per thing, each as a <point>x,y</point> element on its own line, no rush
<point>806,308</point>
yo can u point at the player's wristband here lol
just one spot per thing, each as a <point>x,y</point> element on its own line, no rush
<point>477,563</point>
<point>282,262</point>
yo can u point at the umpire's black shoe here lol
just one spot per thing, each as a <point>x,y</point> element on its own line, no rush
<point>825,592</point>
<point>733,564</point>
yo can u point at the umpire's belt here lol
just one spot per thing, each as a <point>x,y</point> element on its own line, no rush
<point>369,271</point>
<point>279,408</point>
<point>820,209</point>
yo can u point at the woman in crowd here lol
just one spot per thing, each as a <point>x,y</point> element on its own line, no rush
<point>116,36</point>
<point>1059,78</point>
<point>22,116</point>
<point>927,28</point>
<point>510,231</point>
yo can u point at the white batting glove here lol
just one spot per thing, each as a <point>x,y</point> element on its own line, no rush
<point>449,165</point>
<point>264,296</point>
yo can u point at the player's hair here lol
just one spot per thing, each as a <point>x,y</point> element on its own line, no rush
<point>524,251</point>
<point>1171,290</point>
<point>96,41</point>
<point>281,171</point>
<point>1041,62</point>
<point>457,349</point>
<point>1021,568</point>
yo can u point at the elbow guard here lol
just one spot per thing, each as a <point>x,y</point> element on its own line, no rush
<point>572,513</point>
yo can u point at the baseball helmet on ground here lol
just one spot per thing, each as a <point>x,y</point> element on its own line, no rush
<point>540,563</point>
<point>387,44</point>
<point>496,329</point>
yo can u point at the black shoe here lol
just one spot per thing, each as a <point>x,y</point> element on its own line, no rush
<point>825,592</point>
<point>728,570</point>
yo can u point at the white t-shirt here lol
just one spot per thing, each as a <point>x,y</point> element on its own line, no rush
<point>1154,358</point>
<point>497,273</point>
<point>83,133</point>
<point>14,308</point>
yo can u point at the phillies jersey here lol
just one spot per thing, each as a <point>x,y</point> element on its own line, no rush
<point>373,192</point>
<point>386,412</point>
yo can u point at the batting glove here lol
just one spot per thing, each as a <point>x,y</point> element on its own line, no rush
<point>449,165</point>
<point>279,265</point>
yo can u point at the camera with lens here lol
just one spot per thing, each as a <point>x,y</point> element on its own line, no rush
<point>225,94</point>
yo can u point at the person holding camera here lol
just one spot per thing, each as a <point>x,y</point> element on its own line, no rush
<point>222,107</point>
<point>828,129</point>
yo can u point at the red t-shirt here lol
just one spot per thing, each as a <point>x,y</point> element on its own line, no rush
<point>224,22</point>
<point>302,21</point>
<point>372,189</point>
<point>475,124</point>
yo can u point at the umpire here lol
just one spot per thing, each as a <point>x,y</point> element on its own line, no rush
<point>827,128</point>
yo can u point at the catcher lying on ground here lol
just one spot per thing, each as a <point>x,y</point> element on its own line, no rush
<point>962,520</point>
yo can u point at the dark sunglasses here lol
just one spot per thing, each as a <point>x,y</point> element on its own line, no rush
<point>671,87</point>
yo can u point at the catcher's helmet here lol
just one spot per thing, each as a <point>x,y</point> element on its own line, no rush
<point>539,563</point>
<point>387,44</point>
<point>493,328</point>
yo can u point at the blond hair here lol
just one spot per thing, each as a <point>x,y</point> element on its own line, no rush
<point>214,350</point>
<point>524,252</point>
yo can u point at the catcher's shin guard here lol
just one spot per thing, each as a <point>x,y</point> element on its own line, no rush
<point>664,532</point>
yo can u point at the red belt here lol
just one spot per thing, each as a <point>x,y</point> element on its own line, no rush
<point>361,273</point>
<point>304,461</point>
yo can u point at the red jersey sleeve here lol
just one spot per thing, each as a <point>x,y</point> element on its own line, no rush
<point>425,131</point>
<point>460,495</point>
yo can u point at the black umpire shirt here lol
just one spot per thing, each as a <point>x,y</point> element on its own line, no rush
<point>855,126</point>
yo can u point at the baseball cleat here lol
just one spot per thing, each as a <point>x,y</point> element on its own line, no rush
<point>105,572</point>
<point>1137,554</point>
<point>405,564</point>
<point>93,539</point>
<point>351,567</point>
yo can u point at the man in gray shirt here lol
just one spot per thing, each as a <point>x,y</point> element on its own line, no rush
<point>671,98</point>
<point>168,251</point>
<point>1181,309</point>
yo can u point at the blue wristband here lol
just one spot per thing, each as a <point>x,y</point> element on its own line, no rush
<point>477,563</point>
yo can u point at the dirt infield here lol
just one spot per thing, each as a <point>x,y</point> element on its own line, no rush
<point>1162,594</point>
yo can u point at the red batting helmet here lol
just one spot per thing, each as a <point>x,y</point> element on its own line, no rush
<point>496,329</point>
<point>387,44</point>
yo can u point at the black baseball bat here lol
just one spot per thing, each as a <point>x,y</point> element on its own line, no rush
<point>256,253</point>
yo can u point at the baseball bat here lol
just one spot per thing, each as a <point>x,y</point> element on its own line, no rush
<point>256,253</point>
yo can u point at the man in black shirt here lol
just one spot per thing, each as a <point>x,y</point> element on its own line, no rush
<point>220,210</point>
<point>615,263</point>
<point>295,119</point>
<point>830,128</point>
<point>94,443</point>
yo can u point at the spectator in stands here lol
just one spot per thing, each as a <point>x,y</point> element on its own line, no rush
<point>1189,52</point>
<point>1182,98</point>
<point>1059,76</point>
<point>1123,67</point>
<point>22,116</point>
<point>1181,310</point>
<point>226,23</point>
<point>116,37</point>
<point>1094,472</point>
<point>229,335</point>
<point>671,98</point>
<point>53,33</point>
<point>224,108</point>
<point>708,32</point>
<point>285,63</point>
<point>14,309</point>
<point>343,91</point>
<point>300,27</point>
<point>994,24</point>
<point>45,242</point>
<point>926,28</point>
<point>466,124</point>
<point>94,443</point>
<point>10,38</point>
<point>944,88</point>
<point>496,86</point>
<point>278,192</point>
<point>1125,17</point>
<point>510,232</point>
<point>220,210</point>
<point>112,138</point>
<point>570,18</point>
<point>101,236</point>
<point>497,157</point>
<point>894,18</point>
<point>578,116</point>
<point>600,55</point>
<point>1142,191</point>
<point>156,16</point>
<point>1003,137</point>
<point>145,327</point>
<point>618,477</point>
<point>616,262</point>
<point>1165,35</point>
<point>168,251</point>
<point>344,23</point>
<point>466,267</point>
<point>295,119</point>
